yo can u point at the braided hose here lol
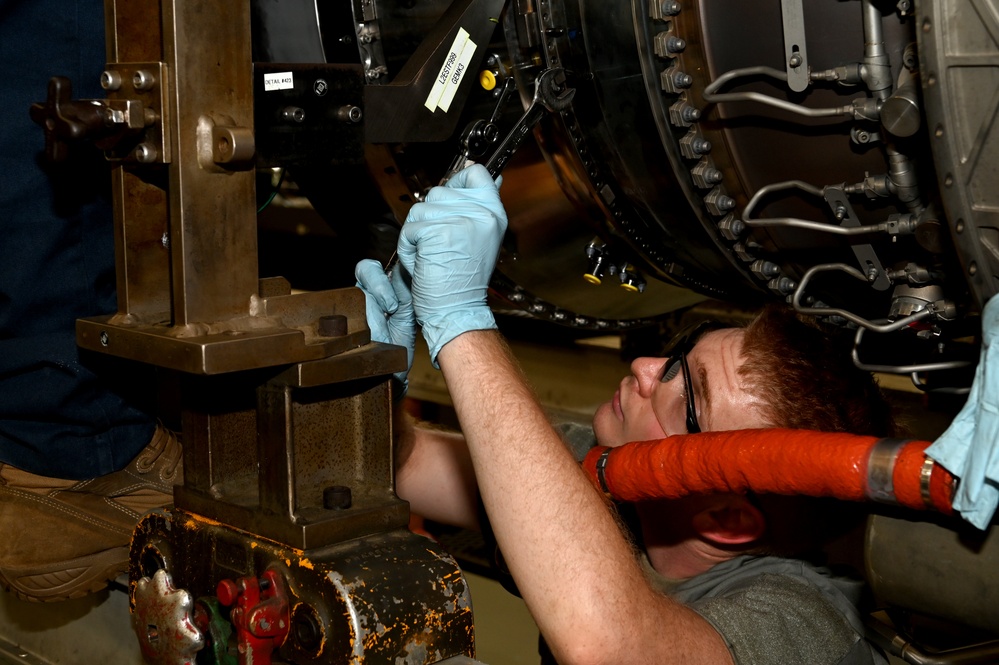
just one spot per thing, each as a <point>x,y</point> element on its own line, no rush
<point>774,461</point>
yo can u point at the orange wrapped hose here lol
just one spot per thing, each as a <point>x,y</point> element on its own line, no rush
<point>774,461</point>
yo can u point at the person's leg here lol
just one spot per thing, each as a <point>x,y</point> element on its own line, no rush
<point>57,416</point>
<point>66,538</point>
<point>63,414</point>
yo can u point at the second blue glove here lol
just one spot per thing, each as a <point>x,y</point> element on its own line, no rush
<point>388,307</point>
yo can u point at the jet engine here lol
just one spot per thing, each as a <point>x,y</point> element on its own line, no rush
<point>834,155</point>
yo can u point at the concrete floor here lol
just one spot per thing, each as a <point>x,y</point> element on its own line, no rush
<point>93,629</point>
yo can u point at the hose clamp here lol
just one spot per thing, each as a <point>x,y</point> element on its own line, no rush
<point>880,468</point>
<point>601,466</point>
<point>925,475</point>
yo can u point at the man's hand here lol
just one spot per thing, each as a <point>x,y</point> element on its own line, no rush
<point>449,244</point>
<point>388,306</point>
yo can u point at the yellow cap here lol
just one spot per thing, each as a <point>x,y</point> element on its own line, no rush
<point>629,287</point>
<point>591,278</point>
<point>487,79</point>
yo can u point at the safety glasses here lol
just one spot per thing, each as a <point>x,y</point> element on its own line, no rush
<point>676,360</point>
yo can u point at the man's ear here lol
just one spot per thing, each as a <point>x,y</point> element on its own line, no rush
<point>729,519</point>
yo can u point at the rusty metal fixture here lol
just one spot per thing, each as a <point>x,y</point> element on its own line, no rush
<point>281,394</point>
<point>386,598</point>
<point>163,621</point>
<point>260,612</point>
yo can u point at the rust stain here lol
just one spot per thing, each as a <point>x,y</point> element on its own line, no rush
<point>193,517</point>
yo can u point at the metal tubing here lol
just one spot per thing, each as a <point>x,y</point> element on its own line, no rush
<point>850,316</point>
<point>802,223</point>
<point>900,369</point>
<point>877,67</point>
<point>710,94</point>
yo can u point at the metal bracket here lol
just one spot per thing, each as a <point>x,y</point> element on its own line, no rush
<point>795,55</point>
<point>867,258</point>
<point>412,107</point>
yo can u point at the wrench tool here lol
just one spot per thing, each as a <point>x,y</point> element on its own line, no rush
<point>551,94</point>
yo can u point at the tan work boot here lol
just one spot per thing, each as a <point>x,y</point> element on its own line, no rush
<point>62,539</point>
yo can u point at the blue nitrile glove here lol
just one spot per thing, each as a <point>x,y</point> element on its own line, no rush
<point>388,306</point>
<point>449,244</point>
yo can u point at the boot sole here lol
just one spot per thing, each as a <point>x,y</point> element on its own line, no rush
<point>65,580</point>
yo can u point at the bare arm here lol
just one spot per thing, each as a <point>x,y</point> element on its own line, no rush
<point>434,473</point>
<point>576,571</point>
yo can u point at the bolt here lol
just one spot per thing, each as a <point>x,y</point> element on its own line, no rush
<point>110,80</point>
<point>872,274</point>
<point>308,633</point>
<point>731,227</point>
<point>675,45</point>
<point>143,80</point>
<point>690,113</point>
<point>349,113</point>
<point>765,269</point>
<point>112,116</point>
<point>145,153</point>
<point>105,339</point>
<point>334,325</point>
<point>840,213</point>
<point>227,592</point>
<point>682,80</point>
<point>337,497</point>
<point>795,61</point>
<point>701,146</point>
<point>671,7</point>
<point>293,114</point>
<point>783,285</point>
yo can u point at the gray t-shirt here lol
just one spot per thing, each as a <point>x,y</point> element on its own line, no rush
<point>769,610</point>
<point>774,611</point>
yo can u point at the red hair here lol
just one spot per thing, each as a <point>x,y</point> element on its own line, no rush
<point>806,380</point>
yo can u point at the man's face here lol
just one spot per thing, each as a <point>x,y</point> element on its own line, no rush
<point>645,408</point>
